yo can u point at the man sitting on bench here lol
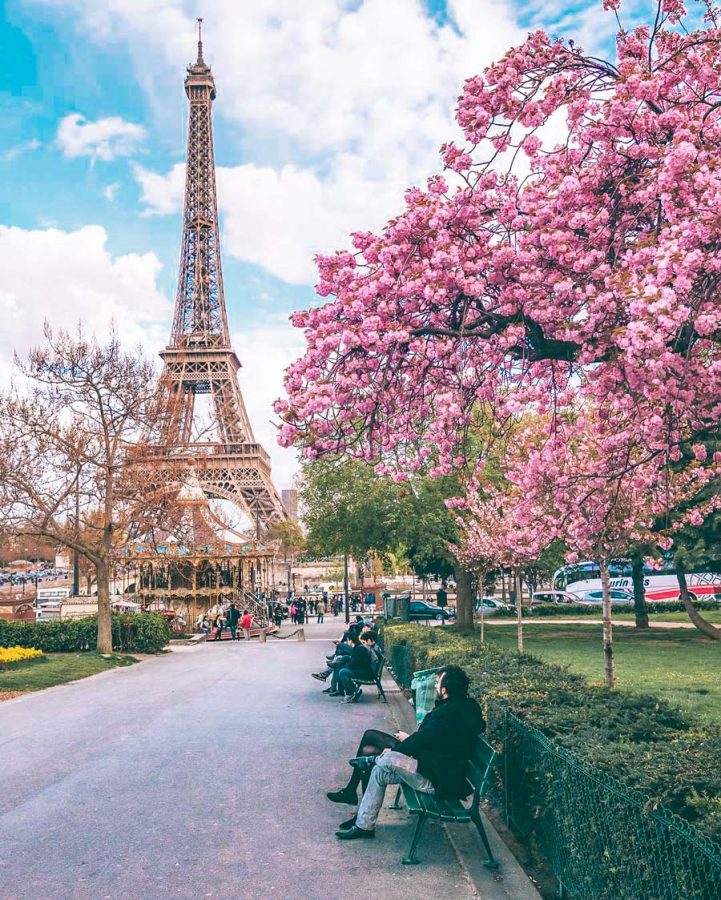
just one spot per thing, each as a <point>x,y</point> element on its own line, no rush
<point>360,665</point>
<point>339,658</point>
<point>434,759</point>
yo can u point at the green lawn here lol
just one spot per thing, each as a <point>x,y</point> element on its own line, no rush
<point>679,665</point>
<point>711,615</point>
<point>58,668</point>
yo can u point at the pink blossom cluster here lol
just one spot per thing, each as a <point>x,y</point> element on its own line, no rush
<point>566,485</point>
<point>591,281</point>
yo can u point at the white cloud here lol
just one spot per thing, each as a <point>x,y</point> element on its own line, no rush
<point>279,219</point>
<point>265,350</point>
<point>341,106</point>
<point>104,139</point>
<point>24,147</point>
<point>110,191</point>
<point>162,194</point>
<point>64,277</point>
<point>67,276</point>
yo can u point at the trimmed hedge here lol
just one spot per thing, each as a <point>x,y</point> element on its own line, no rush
<point>642,741</point>
<point>132,633</point>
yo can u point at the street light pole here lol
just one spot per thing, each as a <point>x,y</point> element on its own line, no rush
<point>76,558</point>
<point>345,588</point>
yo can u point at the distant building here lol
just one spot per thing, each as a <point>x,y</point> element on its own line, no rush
<point>290,502</point>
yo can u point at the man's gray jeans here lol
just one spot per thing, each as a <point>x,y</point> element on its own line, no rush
<point>390,768</point>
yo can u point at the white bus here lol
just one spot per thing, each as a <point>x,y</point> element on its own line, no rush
<point>49,603</point>
<point>660,584</point>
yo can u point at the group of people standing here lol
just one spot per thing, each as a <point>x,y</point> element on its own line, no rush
<point>232,619</point>
<point>302,608</point>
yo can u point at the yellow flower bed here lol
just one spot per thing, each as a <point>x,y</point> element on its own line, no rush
<point>10,656</point>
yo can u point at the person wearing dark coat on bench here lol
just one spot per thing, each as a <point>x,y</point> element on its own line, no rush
<point>433,759</point>
<point>359,665</point>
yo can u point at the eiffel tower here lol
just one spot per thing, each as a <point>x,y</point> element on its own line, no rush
<point>199,360</point>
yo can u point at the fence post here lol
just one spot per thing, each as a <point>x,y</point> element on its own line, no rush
<point>262,637</point>
<point>301,634</point>
<point>505,766</point>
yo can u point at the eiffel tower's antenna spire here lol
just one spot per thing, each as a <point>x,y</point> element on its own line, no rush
<point>201,61</point>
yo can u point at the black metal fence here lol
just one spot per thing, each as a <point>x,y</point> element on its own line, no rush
<point>601,840</point>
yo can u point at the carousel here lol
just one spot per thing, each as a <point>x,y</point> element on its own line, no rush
<point>198,566</point>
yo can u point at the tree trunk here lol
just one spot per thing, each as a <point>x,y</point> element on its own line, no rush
<point>464,600</point>
<point>516,581</point>
<point>703,626</point>
<point>105,635</point>
<point>639,591</point>
<point>609,665</point>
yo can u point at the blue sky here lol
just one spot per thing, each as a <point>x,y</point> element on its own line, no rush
<point>326,111</point>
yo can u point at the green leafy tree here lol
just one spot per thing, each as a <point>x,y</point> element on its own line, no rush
<point>291,544</point>
<point>348,509</point>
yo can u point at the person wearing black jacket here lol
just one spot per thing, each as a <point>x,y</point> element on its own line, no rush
<point>232,617</point>
<point>434,759</point>
<point>358,665</point>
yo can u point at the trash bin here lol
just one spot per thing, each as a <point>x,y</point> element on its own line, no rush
<point>389,605</point>
<point>424,686</point>
<point>403,609</point>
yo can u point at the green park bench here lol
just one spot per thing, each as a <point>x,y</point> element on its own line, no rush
<point>376,680</point>
<point>426,806</point>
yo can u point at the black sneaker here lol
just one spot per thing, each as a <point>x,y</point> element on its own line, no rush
<point>319,675</point>
<point>355,833</point>
<point>345,796</point>
<point>363,762</point>
<point>349,823</point>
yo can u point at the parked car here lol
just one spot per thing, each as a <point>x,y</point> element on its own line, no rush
<point>490,604</point>
<point>596,597</point>
<point>422,610</point>
<point>553,597</point>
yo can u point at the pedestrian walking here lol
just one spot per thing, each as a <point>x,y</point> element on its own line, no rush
<point>246,623</point>
<point>320,611</point>
<point>231,619</point>
<point>218,623</point>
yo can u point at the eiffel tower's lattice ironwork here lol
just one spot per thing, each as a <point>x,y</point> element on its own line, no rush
<point>199,359</point>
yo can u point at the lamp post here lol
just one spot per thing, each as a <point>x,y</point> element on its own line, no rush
<point>345,588</point>
<point>76,558</point>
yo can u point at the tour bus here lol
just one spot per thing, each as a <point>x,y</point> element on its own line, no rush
<point>660,584</point>
<point>49,603</point>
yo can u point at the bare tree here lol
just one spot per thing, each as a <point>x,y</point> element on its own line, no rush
<point>67,426</point>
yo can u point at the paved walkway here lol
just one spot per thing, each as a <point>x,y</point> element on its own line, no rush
<point>201,774</point>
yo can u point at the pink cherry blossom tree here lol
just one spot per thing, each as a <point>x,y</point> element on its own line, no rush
<point>494,537</point>
<point>565,484</point>
<point>537,274</point>
<point>585,272</point>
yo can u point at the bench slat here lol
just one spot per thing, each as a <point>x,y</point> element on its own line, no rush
<point>480,765</point>
<point>445,810</point>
